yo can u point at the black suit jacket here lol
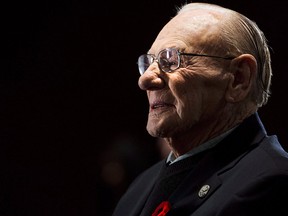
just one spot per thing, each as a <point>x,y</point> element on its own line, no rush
<point>246,174</point>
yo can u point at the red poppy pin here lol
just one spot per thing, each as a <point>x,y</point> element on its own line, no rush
<point>162,209</point>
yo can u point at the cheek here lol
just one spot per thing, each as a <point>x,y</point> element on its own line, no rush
<point>213,98</point>
<point>190,105</point>
<point>189,99</point>
<point>196,92</point>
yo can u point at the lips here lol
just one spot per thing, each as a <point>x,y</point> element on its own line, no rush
<point>159,104</point>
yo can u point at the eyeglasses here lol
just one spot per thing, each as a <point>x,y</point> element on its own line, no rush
<point>168,60</point>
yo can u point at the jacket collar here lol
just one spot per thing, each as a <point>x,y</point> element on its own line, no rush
<point>243,139</point>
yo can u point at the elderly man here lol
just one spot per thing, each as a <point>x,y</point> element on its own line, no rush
<point>206,75</point>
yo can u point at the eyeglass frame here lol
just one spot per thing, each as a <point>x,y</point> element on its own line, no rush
<point>178,59</point>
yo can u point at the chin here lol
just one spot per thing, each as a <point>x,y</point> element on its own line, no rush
<point>157,132</point>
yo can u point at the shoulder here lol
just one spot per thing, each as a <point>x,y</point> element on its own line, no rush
<point>134,198</point>
<point>266,159</point>
<point>274,152</point>
<point>148,174</point>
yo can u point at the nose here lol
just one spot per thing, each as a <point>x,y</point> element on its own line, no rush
<point>151,79</point>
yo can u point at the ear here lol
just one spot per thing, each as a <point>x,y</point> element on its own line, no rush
<point>243,70</point>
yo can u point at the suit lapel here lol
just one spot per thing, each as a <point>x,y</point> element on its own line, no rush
<point>202,181</point>
<point>140,196</point>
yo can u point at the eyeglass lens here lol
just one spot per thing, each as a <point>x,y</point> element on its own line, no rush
<point>168,60</point>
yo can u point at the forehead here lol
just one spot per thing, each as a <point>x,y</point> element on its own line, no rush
<point>192,28</point>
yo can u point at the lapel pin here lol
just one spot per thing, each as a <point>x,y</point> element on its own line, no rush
<point>203,191</point>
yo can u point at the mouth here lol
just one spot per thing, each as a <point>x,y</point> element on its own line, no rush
<point>160,105</point>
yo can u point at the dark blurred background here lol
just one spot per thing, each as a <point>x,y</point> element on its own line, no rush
<point>72,116</point>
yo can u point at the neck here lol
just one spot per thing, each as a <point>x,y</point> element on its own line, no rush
<point>205,130</point>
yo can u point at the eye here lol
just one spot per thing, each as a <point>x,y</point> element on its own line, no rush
<point>169,60</point>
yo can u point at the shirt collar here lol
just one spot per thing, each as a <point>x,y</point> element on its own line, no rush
<point>203,147</point>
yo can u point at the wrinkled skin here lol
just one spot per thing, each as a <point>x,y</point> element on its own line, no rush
<point>201,99</point>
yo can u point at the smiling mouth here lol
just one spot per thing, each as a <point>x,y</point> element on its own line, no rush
<point>159,105</point>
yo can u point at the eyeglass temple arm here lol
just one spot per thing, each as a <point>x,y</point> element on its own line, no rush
<point>212,56</point>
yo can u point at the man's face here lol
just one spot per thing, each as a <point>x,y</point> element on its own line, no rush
<point>192,96</point>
